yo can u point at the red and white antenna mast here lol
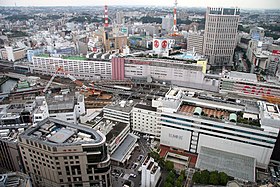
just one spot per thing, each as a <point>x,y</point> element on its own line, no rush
<point>106,21</point>
<point>175,17</point>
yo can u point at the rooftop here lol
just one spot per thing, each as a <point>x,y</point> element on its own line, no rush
<point>123,149</point>
<point>74,58</point>
<point>243,76</point>
<point>122,106</point>
<point>146,107</point>
<point>218,111</point>
<point>239,166</point>
<point>61,102</point>
<point>55,132</point>
<point>15,179</point>
<point>110,128</point>
<point>10,135</point>
<point>164,63</point>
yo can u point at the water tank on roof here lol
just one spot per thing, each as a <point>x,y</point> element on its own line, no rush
<point>233,117</point>
<point>197,111</point>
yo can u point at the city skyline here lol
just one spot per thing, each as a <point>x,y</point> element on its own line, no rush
<point>251,4</point>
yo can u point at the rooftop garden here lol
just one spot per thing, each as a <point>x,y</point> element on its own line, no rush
<point>74,58</point>
<point>43,55</point>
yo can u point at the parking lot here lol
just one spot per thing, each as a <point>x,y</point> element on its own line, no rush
<point>130,171</point>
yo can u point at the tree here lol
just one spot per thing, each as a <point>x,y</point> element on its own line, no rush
<point>214,178</point>
<point>169,179</point>
<point>169,165</point>
<point>167,184</point>
<point>183,173</point>
<point>223,178</point>
<point>178,183</point>
<point>172,174</point>
<point>155,155</point>
<point>204,178</point>
<point>196,177</point>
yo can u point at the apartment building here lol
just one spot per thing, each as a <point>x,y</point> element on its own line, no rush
<point>78,67</point>
<point>150,173</point>
<point>58,153</point>
<point>220,35</point>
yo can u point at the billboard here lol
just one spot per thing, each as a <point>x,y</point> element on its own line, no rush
<point>276,52</point>
<point>175,138</point>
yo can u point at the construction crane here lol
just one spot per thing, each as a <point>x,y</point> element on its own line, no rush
<point>91,91</point>
<point>52,78</point>
<point>77,82</point>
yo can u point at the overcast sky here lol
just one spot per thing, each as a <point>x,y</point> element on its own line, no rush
<point>268,4</point>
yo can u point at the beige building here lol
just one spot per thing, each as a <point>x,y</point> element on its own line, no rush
<point>114,41</point>
<point>57,153</point>
<point>195,42</point>
<point>14,54</point>
<point>220,35</point>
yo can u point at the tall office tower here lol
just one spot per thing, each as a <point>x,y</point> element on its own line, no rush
<point>120,17</point>
<point>167,22</point>
<point>195,42</point>
<point>57,153</point>
<point>220,36</point>
<point>106,18</point>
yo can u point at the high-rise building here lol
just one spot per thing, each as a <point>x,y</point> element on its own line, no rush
<point>195,42</point>
<point>57,153</point>
<point>220,35</point>
<point>119,17</point>
<point>167,22</point>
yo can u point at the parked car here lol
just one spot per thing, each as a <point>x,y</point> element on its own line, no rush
<point>132,175</point>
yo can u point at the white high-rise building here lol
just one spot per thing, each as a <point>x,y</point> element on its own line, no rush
<point>220,35</point>
<point>120,17</point>
<point>167,22</point>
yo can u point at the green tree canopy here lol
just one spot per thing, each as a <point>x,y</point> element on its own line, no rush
<point>204,178</point>
<point>178,183</point>
<point>214,178</point>
<point>167,184</point>
<point>169,165</point>
<point>196,177</point>
<point>224,178</point>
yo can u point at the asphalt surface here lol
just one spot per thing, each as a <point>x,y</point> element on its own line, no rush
<point>132,166</point>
